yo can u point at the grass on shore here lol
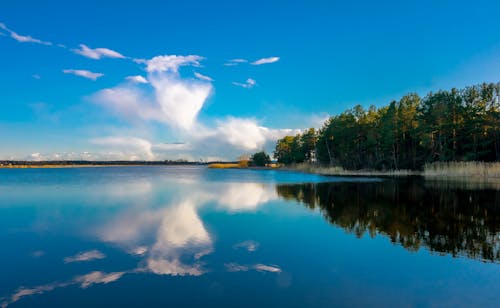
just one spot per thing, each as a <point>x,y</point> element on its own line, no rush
<point>477,170</point>
<point>322,170</point>
<point>240,164</point>
<point>462,169</point>
<point>223,166</point>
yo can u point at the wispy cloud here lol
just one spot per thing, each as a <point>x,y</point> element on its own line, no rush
<point>23,38</point>
<point>249,83</point>
<point>266,61</point>
<point>85,256</point>
<point>169,63</point>
<point>83,73</point>
<point>234,62</point>
<point>137,79</point>
<point>202,77</point>
<point>97,53</point>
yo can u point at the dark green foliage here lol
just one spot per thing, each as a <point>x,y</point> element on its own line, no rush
<point>260,159</point>
<point>296,149</point>
<point>440,216</point>
<point>455,125</point>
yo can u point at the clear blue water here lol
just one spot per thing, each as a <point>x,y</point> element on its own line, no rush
<point>192,236</point>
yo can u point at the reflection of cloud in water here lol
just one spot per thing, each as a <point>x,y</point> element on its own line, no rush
<point>128,189</point>
<point>38,253</point>
<point>84,281</point>
<point>131,226</point>
<point>23,292</point>
<point>250,246</point>
<point>89,279</point>
<point>267,268</point>
<point>245,196</point>
<point>181,237</point>
<point>181,233</point>
<point>235,267</point>
<point>139,251</point>
<point>85,256</point>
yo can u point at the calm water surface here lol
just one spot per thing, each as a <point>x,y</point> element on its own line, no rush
<point>192,236</point>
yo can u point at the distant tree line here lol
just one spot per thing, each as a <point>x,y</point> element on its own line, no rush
<point>93,162</point>
<point>455,125</point>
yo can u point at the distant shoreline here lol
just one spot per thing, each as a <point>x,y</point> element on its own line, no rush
<point>87,164</point>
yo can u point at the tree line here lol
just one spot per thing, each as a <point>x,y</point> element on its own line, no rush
<point>454,125</point>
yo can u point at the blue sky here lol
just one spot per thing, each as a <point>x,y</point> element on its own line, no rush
<point>324,57</point>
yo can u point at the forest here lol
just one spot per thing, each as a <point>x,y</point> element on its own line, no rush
<point>445,126</point>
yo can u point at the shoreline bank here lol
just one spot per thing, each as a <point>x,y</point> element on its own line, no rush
<point>449,170</point>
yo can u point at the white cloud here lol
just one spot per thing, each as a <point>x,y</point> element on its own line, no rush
<point>202,77</point>
<point>266,61</point>
<point>234,62</point>
<point>83,73</point>
<point>175,101</point>
<point>137,79</point>
<point>128,148</point>
<point>28,39</point>
<point>36,156</point>
<point>169,63</point>
<point>85,256</point>
<point>97,53</point>
<point>128,102</point>
<point>23,38</point>
<point>243,133</point>
<point>250,83</point>
<point>180,100</point>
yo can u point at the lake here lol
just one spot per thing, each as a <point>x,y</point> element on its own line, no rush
<point>192,236</point>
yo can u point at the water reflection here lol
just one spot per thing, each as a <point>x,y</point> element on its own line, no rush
<point>83,281</point>
<point>133,225</point>
<point>181,232</point>
<point>179,235</point>
<point>169,238</point>
<point>439,216</point>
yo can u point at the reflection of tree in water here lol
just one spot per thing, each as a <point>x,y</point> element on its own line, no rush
<point>446,220</point>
